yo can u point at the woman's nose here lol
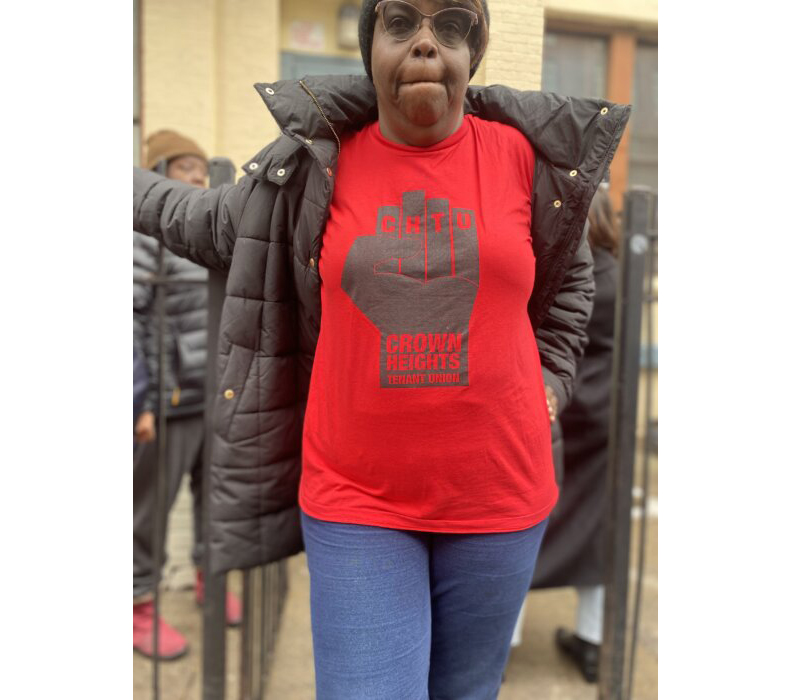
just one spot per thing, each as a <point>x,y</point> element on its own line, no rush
<point>425,44</point>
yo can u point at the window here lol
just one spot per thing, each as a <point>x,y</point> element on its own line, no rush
<point>575,64</point>
<point>296,65</point>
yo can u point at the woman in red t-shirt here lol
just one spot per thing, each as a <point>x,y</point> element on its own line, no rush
<point>427,471</point>
<point>444,254</point>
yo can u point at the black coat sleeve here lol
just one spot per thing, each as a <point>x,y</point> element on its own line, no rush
<point>562,337</point>
<point>195,223</point>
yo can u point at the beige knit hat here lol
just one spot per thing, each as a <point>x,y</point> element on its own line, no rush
<point>166,144</point>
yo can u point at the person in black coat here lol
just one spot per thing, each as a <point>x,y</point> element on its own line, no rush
<point>573,550</point>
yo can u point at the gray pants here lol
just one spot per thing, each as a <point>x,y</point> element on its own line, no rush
<point>185,439</point>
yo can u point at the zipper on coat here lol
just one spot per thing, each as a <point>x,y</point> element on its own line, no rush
<point>321,111</point>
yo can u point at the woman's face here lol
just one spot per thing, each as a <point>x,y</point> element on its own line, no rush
<point>420,83</point>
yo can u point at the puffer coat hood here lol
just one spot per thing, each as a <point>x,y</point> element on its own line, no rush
<point>266,231</point>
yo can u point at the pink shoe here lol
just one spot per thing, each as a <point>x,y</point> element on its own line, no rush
<point>171,643</point>
<point>233,606</point>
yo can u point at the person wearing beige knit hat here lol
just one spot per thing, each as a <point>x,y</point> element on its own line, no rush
<point>185,160</point>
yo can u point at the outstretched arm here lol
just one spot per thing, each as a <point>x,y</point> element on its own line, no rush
<point>198,224</point>
<point>562,337</point>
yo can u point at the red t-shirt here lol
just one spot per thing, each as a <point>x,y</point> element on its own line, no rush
<point>427,407</point>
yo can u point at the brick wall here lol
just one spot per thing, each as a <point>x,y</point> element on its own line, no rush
<point>514,56</point>
<point>248,51</point>
<point>200,60</point>
<point>178,86</point>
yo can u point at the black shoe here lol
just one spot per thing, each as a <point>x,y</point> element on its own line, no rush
<point>583,653</point>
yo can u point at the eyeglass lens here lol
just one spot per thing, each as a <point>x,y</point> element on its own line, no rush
<point>451,26</point>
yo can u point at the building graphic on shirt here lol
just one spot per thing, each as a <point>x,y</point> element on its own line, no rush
<point>416,279</point>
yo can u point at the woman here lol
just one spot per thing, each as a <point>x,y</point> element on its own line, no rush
<point>384,251</point>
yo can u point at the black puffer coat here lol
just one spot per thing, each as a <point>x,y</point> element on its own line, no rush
<point>185,328</point>
<point>267,232</point>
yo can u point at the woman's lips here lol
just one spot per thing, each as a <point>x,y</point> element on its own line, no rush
<point>414,83</point>
<point>413,77</point>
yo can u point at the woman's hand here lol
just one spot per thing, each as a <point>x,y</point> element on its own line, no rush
<point>144,428</point>
<point>552,403</point>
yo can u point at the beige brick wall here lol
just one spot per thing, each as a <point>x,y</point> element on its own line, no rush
<point>248,51</point>
<point>178,71</point>
<point>514,56</point>
<point>200,60</point>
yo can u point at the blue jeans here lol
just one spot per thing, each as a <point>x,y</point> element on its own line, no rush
<point>407,615</point>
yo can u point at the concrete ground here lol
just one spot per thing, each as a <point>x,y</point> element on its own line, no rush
<point>536,670</point>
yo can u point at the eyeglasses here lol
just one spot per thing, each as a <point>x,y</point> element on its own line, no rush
<point>401,20</point>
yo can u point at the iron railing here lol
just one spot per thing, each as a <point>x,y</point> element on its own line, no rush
<point>635,301</point>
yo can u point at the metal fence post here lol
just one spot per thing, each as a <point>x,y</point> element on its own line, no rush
<point>161,496</point>
<point>263,601</point>
<point>621,441</point>
<point>250,663</point>
<point>221,172</point>
<point>650,427</point>
<point>162,466</point>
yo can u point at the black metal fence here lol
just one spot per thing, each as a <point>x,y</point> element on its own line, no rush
<point>634,353</point>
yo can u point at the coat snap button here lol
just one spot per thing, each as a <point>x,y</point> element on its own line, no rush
<point>253,166</point>
<point>557,203</point>
<point>329,172</point>
<point>604,110</point>
<point>572,173</point>
<point>308,141</point>
<point>312,262</point>
<point>269,91</point>
<point>229,393</point>
<point>281,172</point>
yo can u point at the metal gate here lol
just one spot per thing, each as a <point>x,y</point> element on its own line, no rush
<point>635,305</point>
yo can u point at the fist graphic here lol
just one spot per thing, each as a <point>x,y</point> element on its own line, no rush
<point>416,280</point>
